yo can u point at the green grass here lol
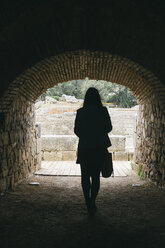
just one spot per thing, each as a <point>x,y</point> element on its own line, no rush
<point>140,172</point>
<point>132,165</point>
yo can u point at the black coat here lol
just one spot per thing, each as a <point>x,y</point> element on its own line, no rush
<point>92,125</point>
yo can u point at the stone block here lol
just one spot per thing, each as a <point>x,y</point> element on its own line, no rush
<point>68,142</point>
<point>118,143</point>
<point>52,156</point>
<point>38,162</point>
<point>8,182</point>
<point>20,156</point>
<point>33,150</point>
<point>24,172</point>
<point>3,185</point>
<point>38,146</point>
<point>153,156</point>
<point>123,120</point>
<point>50,143</point>
<point>23,154</point>
<point>57,124</point>
<point>59,143</point>
<point>5,173</point>
<point>12,137</point>
<point>130,143</point>
<point>4,165</point>
<point>12,182</point>
<point>69,155</point>
<point>152,117</point>
<point>121,156</point>
<point>16,176</point>
<point>20,136</point>
<point>38,130</point>
<point>5,138</point>
<point>162,160</point>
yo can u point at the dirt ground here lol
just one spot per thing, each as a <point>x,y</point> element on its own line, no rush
<point>53,214</point>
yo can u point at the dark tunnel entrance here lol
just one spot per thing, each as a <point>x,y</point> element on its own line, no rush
<point>19,137</point>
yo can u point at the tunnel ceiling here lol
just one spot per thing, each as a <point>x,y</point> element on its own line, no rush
<point>32,31</point>
<point>78,65</point>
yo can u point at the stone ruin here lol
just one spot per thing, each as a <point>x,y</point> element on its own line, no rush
<point>49,99</point>
<point>66,98</point>
<point>60,143</point>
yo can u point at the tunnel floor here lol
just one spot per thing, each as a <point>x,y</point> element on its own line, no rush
<point>70,168</point>
<point>53,214</point>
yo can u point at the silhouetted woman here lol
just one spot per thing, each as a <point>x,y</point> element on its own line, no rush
<point>92,125</point>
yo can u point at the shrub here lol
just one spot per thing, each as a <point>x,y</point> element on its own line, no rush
<point>56,97</point>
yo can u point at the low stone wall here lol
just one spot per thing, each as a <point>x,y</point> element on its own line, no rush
<point>64,147</point>
<point>123,121</point>
<point>20,144</point>
<point>59,147</point>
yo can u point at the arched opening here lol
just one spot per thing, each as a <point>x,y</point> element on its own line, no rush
<point>56,119</point>
<point>46,32</point>
<point>19,136</point>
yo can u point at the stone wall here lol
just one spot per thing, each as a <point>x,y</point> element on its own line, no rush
<point>52,123</point>
<point>64,147</point>
<point>150,147</point>
<point>59,129</point>
<point>124,123</point>
<point>19,144</point>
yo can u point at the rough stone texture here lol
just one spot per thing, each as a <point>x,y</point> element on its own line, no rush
<point>123,120</point>
<point>118,143</point>
<point>68,155</point>
<point>120,156</point>
<point>20,144</point>
<point>52,155</point>
<point>64,147</point>
<point>124,123</point>
<point>57,120</point>
<point>69,143</point>
<point>59,142</point>
<point>150,148</point>
<point>80,64</point>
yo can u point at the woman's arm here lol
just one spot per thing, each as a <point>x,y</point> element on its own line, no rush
<point>77,125</point>
<point>108,123</point>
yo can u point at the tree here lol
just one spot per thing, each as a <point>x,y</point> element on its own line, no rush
<point>110,92</point>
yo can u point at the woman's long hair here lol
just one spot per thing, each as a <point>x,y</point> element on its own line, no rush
<point>92,98</point>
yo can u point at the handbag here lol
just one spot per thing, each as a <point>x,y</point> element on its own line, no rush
<point>107,166</point>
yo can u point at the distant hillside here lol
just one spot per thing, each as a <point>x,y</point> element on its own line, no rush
<point>115,94</point>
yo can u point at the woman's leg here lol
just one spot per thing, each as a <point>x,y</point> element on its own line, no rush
<point>85,182</point>
<point>95,187</point>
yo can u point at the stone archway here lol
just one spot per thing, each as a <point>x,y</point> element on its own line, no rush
<point>19,134</point>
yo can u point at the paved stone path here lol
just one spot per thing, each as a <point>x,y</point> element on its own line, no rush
<point>70,168</point>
